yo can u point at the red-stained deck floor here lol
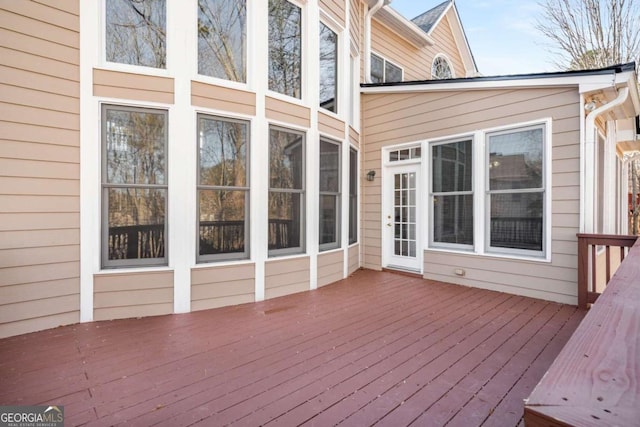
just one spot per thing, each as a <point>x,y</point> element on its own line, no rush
<point>377,348</point>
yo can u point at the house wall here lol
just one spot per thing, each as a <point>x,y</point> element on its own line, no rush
<point>330,267</point>
<point>39,165</point>
<point>219,286</point>
<point>441,114</point>
<point>287,276</point>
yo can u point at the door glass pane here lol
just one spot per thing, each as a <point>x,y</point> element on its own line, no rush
<point>405,215</point>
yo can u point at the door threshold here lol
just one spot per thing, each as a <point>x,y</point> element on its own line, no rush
<point>403,270</point>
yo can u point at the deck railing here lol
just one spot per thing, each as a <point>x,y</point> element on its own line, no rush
<point>591,250</point>
<point>594,379</point>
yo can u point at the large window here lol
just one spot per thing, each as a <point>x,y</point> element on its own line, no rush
<point>134,186</point>
<point>330,185</point>
<point>136,32</point>
<point>452,194</point>
<point>222,33</point>
<point>286,191</point>
<point>516,190</point>
<point>285,48</point>
<point>328,69</point>
<point>223,189</point>
<point>383,71</point>
<point>353,196</point>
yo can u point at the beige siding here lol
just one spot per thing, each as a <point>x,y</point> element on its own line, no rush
<point>330,126</point>
<point>115,84</point>
<point>446,44</point>
<point>213,287</point>
<point>287,112</point>
<point>125,295</point>
<point>354,137</point>
<point>222,98</point>
<point>286,276</point>
<point>335,9</point>
<point>399,118</point>
<point>39,166</point>
<point>354,258</point>
<point>330,267</point>
<point>355,30</point>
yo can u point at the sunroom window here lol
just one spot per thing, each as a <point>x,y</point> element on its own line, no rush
<point>134,186</point>
<point>452,194</point>
<point>222,33</point>
<point>328,69</point>
<point>135,32</point>
<point>286,191</point>
<point>285,48</point>
<point>516,190</point>
<point>223,188</point>
<point>353,196</point>
<point>330,185</point>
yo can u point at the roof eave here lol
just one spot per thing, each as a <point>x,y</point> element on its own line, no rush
<point>403,27</point>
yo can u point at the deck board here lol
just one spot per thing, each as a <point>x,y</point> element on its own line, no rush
<point>377,348</point>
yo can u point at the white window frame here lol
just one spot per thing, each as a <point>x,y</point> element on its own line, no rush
<point>384,66</point>
<point>337,195</point>
<point>449,63</point>
<point>355,213</point>
<point>430,209</point>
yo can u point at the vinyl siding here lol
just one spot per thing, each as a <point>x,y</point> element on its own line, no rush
<point>356,16</point>
<point>213,287</point>
<point>287,112</point>
<point>354,137</point>
<point>446,44</point>
<point>116,84</point>
<point>223,98</point>
<point>286,276</point>
<point>330,267</point>
<point>39,165</point>
<point>434,115</point>
<point>354,258</point>
<point>330,126</point>
<point>132,294</point>
<point>335,9</point>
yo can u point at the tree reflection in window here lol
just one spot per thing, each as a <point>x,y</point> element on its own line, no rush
<point>285,48</point>
<point>328,68</point>
<point>136,32</point>
<point>222,39</point>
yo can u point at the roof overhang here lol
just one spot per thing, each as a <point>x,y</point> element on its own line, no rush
<point>403,27</point>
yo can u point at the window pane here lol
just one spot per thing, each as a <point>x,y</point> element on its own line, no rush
<point>353,196</point>
<point>286,161</point>
<point>441,69</point>
<point>222,39</point>
<point>328,68</point>
<point>515,160</point>
<point>392,73</point>
<point>285,220</point>
<point>516,220</point>
<point>285,48</point>
<point>453,219</point>
<point>135,147</point>
<point>328,219</point>
<point>452,167</point>
<point>136,32</point>
<point>136,223</point>
<point>329,167</point>
<point>377,69</point>
<point>223,152</point>
<point>222,221</point>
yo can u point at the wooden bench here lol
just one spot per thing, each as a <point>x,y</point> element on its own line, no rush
<point>595,380</point>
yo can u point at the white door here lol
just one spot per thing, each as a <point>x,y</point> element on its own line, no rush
<point>402,246</point>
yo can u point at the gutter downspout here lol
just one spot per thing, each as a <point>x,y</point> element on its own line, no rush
<point>589,158</point>
<point>367,39</point>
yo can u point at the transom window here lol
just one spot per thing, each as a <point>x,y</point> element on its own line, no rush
<point>135,32</point>
<point>516,190</point>
<point>223,188</point>
<point>441,69</point>
<point>222,33</point>
<point>286,191</point>
<point>134,186</point>
<point>405,154</point>
<point>383,71</point>
<point>330,185</point>
<point>328,69</point>
<point>285,48</point>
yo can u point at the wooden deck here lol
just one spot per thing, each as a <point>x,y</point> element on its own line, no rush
<point>378,348</point>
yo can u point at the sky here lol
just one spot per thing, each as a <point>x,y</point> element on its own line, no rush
<point>501,33</point>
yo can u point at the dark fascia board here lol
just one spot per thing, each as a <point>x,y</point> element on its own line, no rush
<point>615,69</point>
